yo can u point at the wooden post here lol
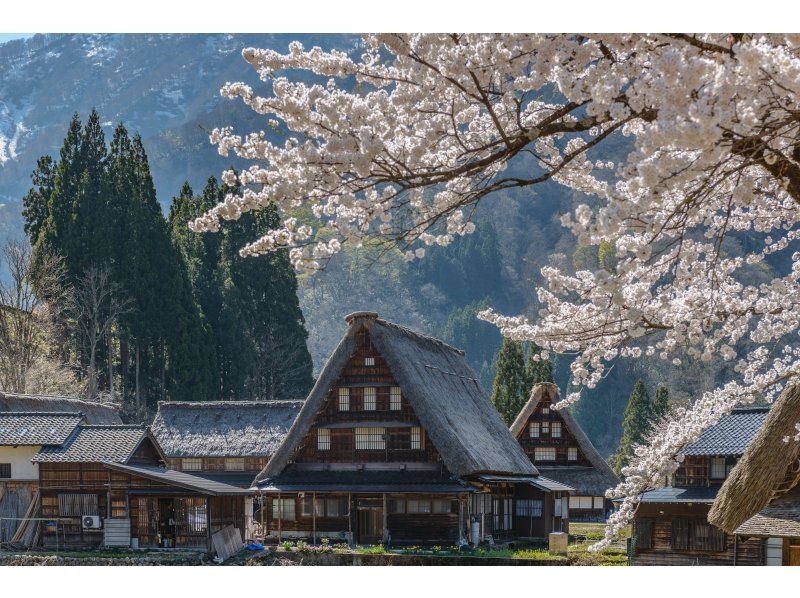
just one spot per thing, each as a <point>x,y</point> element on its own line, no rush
<point>350,517</point>
<point>314,516</point>
<point>385,521</point>
<point>262,508</point>
<point>208,523</point>
<point>280,516</point>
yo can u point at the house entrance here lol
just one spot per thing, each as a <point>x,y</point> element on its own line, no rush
<point>370,520</point>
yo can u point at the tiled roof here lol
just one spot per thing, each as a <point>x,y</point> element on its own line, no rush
<point>182,479</point>
<point>702,494</point>
<point>36,428</point>
<point>91,444</point>
<point>731,435</point>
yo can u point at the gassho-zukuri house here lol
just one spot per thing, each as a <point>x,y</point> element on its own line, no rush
<point>561,451</point>
<point>760,501</point>
<point>397,442</point>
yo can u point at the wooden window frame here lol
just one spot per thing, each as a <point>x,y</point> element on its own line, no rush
<point>717,475</point>
<point>370,399</point>
<point>530,507</point>
<point>370,438</point>
<point>416,441</point>
<point>644,533</point>
<point>395,399</point>
<point>323,439</point>
<point>284,509</point>
<point>344,399</point>
<point>534,430</point>
<point>369,361</point>
<point>186,461</point>
<point>545,410</point>
<point>234,464</point>
<point>5,471</point>
<point>545,429</point>
<point>572,453</point>
<point>553,427</point>
<point>417,506</point>
<point>397,506</point>
<point>550,450</point>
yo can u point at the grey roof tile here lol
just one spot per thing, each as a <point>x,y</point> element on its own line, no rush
<point>670,494</point>
<point>93,444</point>
<point>731,435</point>
<point>36,428</point>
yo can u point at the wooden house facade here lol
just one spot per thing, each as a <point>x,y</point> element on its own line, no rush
<point>106,485</point>
<point>560,450</point>
<point>397,443</point>
<point>760,500</point>
<point>228,441</point>
<point>671,524</point>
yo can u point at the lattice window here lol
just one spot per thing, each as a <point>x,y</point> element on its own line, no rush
<point>545,428</point>
<point>369,361</point>
<point>5,471</point>
<point>545,410</point>
<point>234,464</point>
<point>718,468</point>
<point>580,502</point>
<point>599,502</point>
<point>442,506</point>
<point>283,508</point>
<point>680,534</point>
<point>370,439</point>
<point>418,506</point>
<point>395,399</point>
<point>533,430</point>
<point>644,533</point>
<point>369,398</point>
<point>192,464</point>
<point>706,537</point>
<point>76,505</point>
<point>544,453</point>
<point>416,438</point>
<point>572,453</point>
<point>529,507</point>
<point>397,506</point>
<point>344,399</point>
<point>556,430</point>
<point>323,439</point>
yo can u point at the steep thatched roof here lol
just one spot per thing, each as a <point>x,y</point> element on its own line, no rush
<point>768,468</point>
<point>95,413</point>
<point>223,428</point>
<point>441,388</point>
<point>594,480</point>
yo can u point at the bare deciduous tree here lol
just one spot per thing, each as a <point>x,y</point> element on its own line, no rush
<point>33,293</point>
<point>96,308</point>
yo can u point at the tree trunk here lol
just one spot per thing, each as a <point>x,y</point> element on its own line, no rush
<point>110,355</point>
<point>136,395</point>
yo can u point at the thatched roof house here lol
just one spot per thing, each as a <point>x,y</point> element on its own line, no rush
<point>223,428</point>
<point>442,389</point>
<point>761,497</point>
<point>94,413</point>
<point>590,477</point>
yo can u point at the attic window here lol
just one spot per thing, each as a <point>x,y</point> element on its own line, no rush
<point>572,453</point>
<point>395,400</point>
<point>416,438</point>
<point>545,427</point>
<point>533,430</point>
<point>556,430</point>
<point>545,410</point>
<point>370,439</point>
<point>545,453</point>
<point>323,439</point>
<point>369,361</point>
<point>191,464</point>
<point>369,398</point>
<point>344,399</point>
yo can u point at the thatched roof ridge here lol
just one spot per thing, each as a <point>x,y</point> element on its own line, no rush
<point>441,388</point>
<point>223,428</point>
<point>768,468</point>
<point>95,413</point>
<point>596,483</point>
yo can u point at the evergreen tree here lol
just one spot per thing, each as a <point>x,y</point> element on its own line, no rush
<point>36,200</point>
<point>537,371</point>
<point>509,387</point>
<point>635,425</point>
<point>659,405</point>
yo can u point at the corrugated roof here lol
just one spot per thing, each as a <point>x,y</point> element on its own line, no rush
<point>701,494</point>
<point>34,429</point>
<point>181,479</point>
<point>223,428</point>
<point>443,391</point>
<point>731,435</point>
<point>91,444</point>
<point>94,413</point>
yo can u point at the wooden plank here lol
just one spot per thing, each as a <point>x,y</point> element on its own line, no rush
<point>227,542</point>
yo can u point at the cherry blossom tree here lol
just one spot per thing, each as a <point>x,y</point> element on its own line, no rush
<point>402,143</point>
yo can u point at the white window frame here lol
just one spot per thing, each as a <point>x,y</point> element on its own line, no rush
<point>395,399</point>
<point>572,453</point>
<point>234,464</point>
<point>540,451</point>
<point>323,439</point>
<point>553,427</point>
<point>533,430</point>
<point>416,438</point>
<point>370,398</point>
<point>191,464</point>
<point>344,399</point>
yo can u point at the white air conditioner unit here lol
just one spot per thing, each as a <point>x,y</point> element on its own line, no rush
<point>91,522</point>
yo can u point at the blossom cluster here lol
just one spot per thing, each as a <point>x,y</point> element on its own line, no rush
<point>402,142</point>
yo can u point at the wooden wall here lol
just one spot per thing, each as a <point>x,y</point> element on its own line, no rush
<point>562,444</point>
<point>749,552</point>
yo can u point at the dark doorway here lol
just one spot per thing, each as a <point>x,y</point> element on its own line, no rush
<point>370,521</point>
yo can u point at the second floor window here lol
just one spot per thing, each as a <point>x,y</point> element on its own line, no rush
<point>323,439</point>
<point>556,430</point>
<point>545,428</point>
<point>5,470</point>
<point>370,439</point>
<point>395,400</point>
<point>191,464</point>
<point>369,361</point>
<point>545,453</point>
<point>344,399</point>
<point>234,464</point>
<point>533,430</point>
<point>369,398</point>
<point>718,468</point>
<point>416,438</point>
<point>545,410</point>
<point>572,454</point>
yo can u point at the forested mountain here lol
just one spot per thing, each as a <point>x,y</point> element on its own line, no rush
<point>166,88</point>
